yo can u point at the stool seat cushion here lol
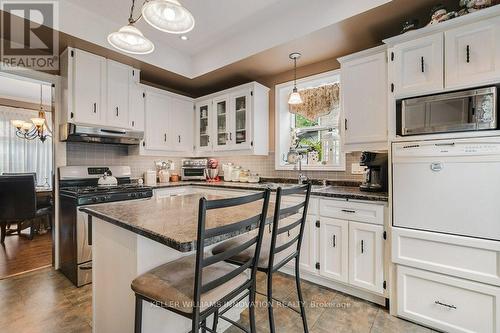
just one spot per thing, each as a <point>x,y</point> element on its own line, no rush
<point>172,284</point>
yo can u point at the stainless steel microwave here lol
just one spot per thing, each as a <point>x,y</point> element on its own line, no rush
<point>469,110</point>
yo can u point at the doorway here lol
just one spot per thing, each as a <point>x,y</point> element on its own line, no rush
<point>27,148</point>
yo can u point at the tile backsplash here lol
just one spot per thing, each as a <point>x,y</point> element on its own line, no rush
<point>103,155</point>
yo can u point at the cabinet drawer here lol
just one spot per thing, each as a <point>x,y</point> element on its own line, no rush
<point>464,257</point>
<point>447,303</point>
<point>352,211</point>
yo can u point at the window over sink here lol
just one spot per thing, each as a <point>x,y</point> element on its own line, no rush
<point>312,130</point>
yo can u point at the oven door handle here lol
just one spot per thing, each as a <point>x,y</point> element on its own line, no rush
<point>89,234</point>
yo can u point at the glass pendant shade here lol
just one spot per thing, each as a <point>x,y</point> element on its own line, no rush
<point>295,97</point>
<point>27,126</point>
<point>38,121</point>
<point>129,39</point>
<point>18,124</point>
<point>168,16</point>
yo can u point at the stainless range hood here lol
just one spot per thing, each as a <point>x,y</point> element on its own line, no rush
<point>80,133</point>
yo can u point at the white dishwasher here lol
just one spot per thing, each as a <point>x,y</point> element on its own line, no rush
<point>448,186</point>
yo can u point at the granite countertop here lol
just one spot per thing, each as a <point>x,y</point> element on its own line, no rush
<point>342,189</point>
<point>173,221</point>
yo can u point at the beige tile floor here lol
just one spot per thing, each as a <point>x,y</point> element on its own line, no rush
<point>45,301</point>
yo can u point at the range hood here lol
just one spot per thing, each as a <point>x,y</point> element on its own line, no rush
<point>81,133</point>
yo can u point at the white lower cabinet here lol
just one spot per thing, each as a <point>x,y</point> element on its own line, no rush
<point>366,266</point>
<point>447,303</point>
<point>334,258</point>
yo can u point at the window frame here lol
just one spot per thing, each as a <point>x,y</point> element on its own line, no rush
<point>282,121</point>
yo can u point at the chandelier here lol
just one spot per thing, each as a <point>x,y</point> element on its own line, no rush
<point>37,128</point>
<point>165,15</point>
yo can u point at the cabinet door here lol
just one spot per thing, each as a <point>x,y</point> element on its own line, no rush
<point>203,125</point>
<point>334,240</point>
<point>136,107</point>
<point>88,70</point>
<point>181,113</point>
<point>366,113</point>
<point>240,120</point>
<point>473,54</point>
<point>118,78</point>
<point>224,135</point>
<point>157,120</point>
<point>366,269</point>
<point>419,66</point>
<point>308,252</point>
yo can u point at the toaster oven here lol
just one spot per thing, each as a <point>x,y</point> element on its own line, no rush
<point>193,169</point>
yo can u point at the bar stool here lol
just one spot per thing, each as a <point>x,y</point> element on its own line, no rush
<point>275,247</point>
<point>198,285</point>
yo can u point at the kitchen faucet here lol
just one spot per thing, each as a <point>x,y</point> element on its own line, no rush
<point>302,178</point>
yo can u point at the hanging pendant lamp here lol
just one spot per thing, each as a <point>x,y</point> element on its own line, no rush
<point>129,39</point>
<point>295,98</point>
<point>168,16</point>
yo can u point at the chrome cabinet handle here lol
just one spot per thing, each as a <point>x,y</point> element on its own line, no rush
<point>362,246</point>
<point>348,211</point>
<point>334,241</point>
<point>449,306</point>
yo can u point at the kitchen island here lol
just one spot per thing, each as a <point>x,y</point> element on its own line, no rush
<point>130,238</point>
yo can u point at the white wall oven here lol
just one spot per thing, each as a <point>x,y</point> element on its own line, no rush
<point>448,186</point>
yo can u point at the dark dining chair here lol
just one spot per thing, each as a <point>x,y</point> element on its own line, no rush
<point>18,204</point>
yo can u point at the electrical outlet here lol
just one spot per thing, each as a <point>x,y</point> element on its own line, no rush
<point>357,169</point>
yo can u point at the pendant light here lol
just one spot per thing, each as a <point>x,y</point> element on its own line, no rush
<point>295,98</point>
<point>168,16</point>
<point>129,39</point>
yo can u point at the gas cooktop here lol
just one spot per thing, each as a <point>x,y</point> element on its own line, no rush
<point>78,190</point>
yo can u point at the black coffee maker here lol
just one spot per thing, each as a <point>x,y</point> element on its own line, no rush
<point>375,176</point>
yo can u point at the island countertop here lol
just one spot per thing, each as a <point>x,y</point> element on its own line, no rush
<point>173,221</point>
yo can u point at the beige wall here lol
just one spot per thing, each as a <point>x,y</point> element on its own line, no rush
<point>303,71</point>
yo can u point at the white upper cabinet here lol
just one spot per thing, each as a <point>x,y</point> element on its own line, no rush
<point>366,266</point>
<point>181,124</point>
<point>418,66</point>
<point>136,107</point>
<point>203,128</point>
<point>85,94</point>
<point>235,120</point>
<point>156,136</point>
<point>472,54</point>
<point>222,121</point>
<point>364,100</point>
<point>240,113</point>
<point>96,91</point>
<point>118,81</point>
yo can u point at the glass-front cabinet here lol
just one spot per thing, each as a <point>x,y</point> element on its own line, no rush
<point>240,120</point>
<point>203,125</point>
<point>222,122</point>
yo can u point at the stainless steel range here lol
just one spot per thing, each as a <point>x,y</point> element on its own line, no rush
<point>79,186</point>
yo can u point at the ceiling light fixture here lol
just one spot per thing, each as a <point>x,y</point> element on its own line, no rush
<point>168,16</point>
<point>295,98</point>
<point>38,128</point>
<point>129,39</point>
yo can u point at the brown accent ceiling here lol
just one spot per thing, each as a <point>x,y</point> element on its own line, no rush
<point>320,50</point>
